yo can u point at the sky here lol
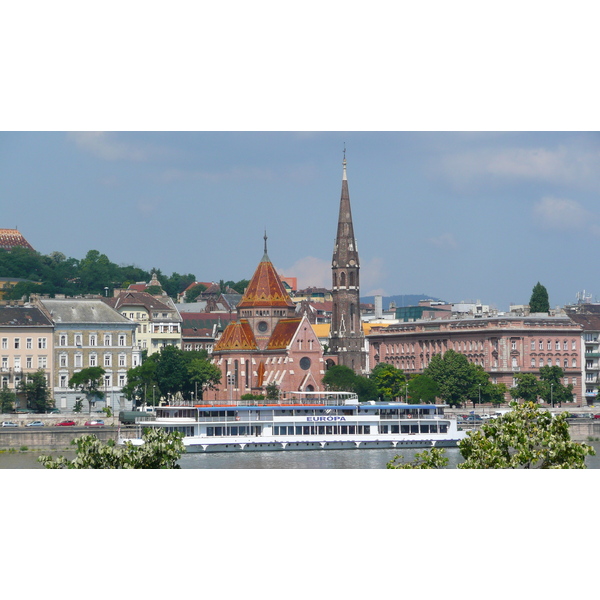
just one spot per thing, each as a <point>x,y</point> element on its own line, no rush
<point>461,216</point>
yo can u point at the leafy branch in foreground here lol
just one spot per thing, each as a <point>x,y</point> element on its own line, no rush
<point>524,438</point>
<point>160,450</point>
<point>428,459</point>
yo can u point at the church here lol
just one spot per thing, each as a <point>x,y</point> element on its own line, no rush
<point>270,343</point>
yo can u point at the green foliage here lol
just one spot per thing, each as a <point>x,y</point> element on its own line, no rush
<point>539,302</point>
<point>455,377</point>
<point>203,375</point>
<point>552,389</point>
<point>160,450</point>
<point>422,388</point>
<point>343,379</point>
<point>526,437</point>
<point>192,295</point>
<point>428,459</point>
<point>252,397</point>
<point>89,381</point>
<point>140,380</point>
<point>272,390</point>
<point>77,407</point>
<point>8,400</point>
<point>107,411</point>
<point>528,387</point>
<point>389,381</point>
<point>35,389</point>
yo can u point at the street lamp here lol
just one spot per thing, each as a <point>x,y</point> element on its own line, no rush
<point>551,395</point>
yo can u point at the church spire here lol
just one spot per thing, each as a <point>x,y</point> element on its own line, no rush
<point>346,334</point>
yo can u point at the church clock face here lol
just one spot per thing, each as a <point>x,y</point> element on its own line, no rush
<point>263,326</point>
<point>305,363</point>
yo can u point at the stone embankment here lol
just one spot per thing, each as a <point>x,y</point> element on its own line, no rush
<point>51,436</point>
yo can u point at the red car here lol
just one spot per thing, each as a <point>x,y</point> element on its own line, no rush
<point>95,423</point>
<point>596,416</point>
<point>66,423</point>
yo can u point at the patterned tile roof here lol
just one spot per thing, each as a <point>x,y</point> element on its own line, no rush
<point>283,333</point>
<point>265,288</point>
<point>237,336</point>
<point>9,238</point>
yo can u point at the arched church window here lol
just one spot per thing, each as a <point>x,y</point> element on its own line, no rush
<point>352,284</point>
<point>343,279</point>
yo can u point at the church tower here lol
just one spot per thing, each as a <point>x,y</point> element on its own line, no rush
<point>346,338</point>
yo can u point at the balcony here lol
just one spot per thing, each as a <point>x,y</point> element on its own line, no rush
<point>592,354</point>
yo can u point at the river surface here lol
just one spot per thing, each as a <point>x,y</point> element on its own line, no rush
<point>298,459</point>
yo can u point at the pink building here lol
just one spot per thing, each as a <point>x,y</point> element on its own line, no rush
<point>267,343</point>
<point>503,345</point>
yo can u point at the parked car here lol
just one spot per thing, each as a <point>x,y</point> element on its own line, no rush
<point>95,423</point>
<point>596,416</point>
<point>66,424</point>
<point>472,418</point>
<point>35,424</point>
<point>9,424</point>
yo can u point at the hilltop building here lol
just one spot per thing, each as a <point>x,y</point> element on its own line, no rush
<point>13,238</point>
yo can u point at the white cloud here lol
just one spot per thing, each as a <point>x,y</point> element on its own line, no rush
<point>316,272</point>
<point>310,272</point>
<point>107,147</point>
<point>446,241</point>
<point>566,164</point>
<point>561,213</point>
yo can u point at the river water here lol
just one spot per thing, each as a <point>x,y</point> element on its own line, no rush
<point>298,459</point>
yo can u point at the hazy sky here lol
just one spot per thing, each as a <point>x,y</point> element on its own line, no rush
<point>459,216</point>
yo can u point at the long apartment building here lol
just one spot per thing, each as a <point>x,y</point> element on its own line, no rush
<point>89,333</point>
<point>502,345</point>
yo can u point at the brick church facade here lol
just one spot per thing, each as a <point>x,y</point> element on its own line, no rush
<point>267,343</point>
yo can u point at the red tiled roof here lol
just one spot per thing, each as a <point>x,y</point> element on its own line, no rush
<point>265,288</point>
<point>283,333</point>
<point>237,336</point>
<point>11,238</point>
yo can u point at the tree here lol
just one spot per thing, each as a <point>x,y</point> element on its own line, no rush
<point>422,388</point>
<point>8,400</point>
<point>35,389</point>
<point>454,375</point>
<point>539,302</point>
<point>552,389</point>
<point>203,375</point>
<point>171,370</point>
<point>89,381</point>
<point>340,378</point>
<point>528,387</point>
<point>140,380</point>
<point>390,382</point>
<point>272,390</point>
<point>191,295</point>
<point>524,438</point>
<point>428,459</point>
<point>160,450</point>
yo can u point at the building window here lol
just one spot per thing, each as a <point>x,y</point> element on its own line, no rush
<point>122,360</point>
<point>42,343</point>
<point>108,380</point>
<point>565,345</point>
<point>549,345</point>
<point>78,361</point>
<point>573,345</point>
<point>78,339</point>
<point>93,339</point>
<point>93,360</point>
<point>62,340</point>
<point>107,360</point>
<point>42,362</point>
<point>541,344</point>
<point>29,343</point>
<point>557,345</point>
<point>122,381</point>
<point>5,343</point>
<point>29,362</point>
<point>63,381</point>
<point>533,344</point>
<point>107,339</point>
<point>17,343</point>
<point>122,339</point>
<point>574,363</point>
<point>62,360</point>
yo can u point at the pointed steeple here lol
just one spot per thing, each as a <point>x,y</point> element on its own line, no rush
<point>346,334</point>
